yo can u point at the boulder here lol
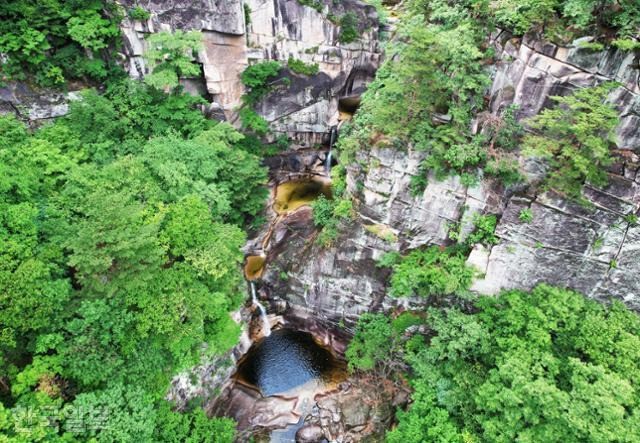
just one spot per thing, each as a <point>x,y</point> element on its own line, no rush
<point>310,434</point>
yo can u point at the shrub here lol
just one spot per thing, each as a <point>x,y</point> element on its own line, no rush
<point>247,14</point>
<point>348,28</point>
<point>257,78</point>
<point>632,219</point>
<point>525,215</point>
<point>484,227</point>
<point>315,4</point>
<point>327,214</point>
<point>300,67</point>
<point>139,13</point>
<point>432,271</point>
<point>253,121</point>
<point>575,138</point>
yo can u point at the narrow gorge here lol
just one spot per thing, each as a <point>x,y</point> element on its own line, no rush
<point>370,209</point>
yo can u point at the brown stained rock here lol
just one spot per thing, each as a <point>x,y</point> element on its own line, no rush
<point>355,413</point>
<point>251,410</point>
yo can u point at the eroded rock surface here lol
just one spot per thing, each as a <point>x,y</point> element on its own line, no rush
<point>34,106</point>
<point>272,30</point>
<point>591,249</point>
<point>594,249</point>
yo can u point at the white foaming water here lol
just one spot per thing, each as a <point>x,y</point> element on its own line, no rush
<point>266,327</point>
<point>332,140</point>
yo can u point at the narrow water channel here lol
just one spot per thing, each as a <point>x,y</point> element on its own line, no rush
<point>286,365</point>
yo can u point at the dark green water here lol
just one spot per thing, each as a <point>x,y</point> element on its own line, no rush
<point>288,359</point>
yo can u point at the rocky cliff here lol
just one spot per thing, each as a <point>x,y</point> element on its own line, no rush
<point>593,248</point>
<point>237,33</point>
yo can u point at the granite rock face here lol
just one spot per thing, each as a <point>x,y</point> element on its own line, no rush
<point>341,282</point>
<point>531,71</point>
<point>284,28</point>
<point>594,249</point>
<point>591,249</point>
<point>226,16</point>
<point>237,33</point>
<point>35,107</point>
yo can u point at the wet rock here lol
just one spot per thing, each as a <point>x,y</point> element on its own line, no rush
<point>250,410</point>
<point>363,412</point>
<point>309,434</point>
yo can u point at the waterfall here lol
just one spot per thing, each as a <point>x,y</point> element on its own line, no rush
<point>332,140</point>
<point>266,327</point>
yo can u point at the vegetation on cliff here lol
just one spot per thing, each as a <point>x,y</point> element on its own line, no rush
<point>171,56</point>
<point>575,139</point>
<point>430,90</point>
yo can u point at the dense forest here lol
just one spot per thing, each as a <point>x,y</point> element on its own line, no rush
<point>121,251</point>
<point>122,225</point>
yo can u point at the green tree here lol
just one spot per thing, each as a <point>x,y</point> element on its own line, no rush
<point>192,427</point>
<point>425,94</point>
<point>117,414</point>
<point>171,57</point>
<point>120,249</point>
<point>575,139</point>
<point>371,343</point>
<point>546,365</point>
<point>348,28</point>
<point>100,128</point>
<point>259,79</point>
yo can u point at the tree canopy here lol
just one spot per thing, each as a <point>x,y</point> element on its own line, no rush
<point>546,365</point>
<point>58,40</point>
<point>121,233</point>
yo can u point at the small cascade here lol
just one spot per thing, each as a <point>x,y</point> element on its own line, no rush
<point>332,139</point>
<point>266,327</point>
